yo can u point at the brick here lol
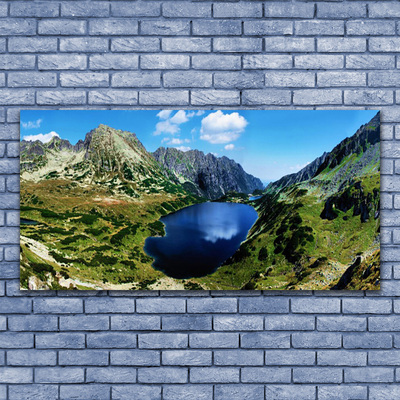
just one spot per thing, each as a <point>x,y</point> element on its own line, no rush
<point>215,62</point>
<point>98,392</point>
<point>314,375</point>
<point>84,322</point>
<point>384,78</point>
<point>269,27</point>
<point>366,306</point>
<point>386,132</point>
<point>289,79</point>
<point>135,322</point>
<point>269,97</point>
<point>163,375</point>
<point>260,340</point>
<point>106,305</point>
<point>238,357</point>
<point>341,11</point>
<point>179,392</point>
<point>261,375</point>
<point>36,9</point>
<point>83,357</point>
<point>87,45</point>
<point>83,79</point>
<point>384,44</point>
<point>214,375</point>
<point>318,27</point>
<point>138,44</point>
<point>238,10</point>
<point>163,340</point>
<point>289,392</point>
<point>111,26</point>
<point>342,358</point>
<point>181,9</point>
<point>392,150</point>
<point>136,392</point>
<point>13,218</point>
<point>289,323</point>
<point>110,375</point>
<point>341,323</point>
<point>111,340</point>
<point>37,392</point>
<point>59,375</point>
<point>128,9</point>
<point>62,97</point>
<point>319,340</point>
<point>9,201</point>
<point>31,357</point>
<point>212,305</point>
<point>16,375</point>
<point>176,97</point>
<point>367,341</point>
<point>384,10</point>
<point>290,357</point>
<point>237,45</point>
<point>194,45</point>
<point>113,61</point>
<point>368,97</point>
<point>19,26</point>
<point>61,61</point>
<point>216,27</point>
<point>239,392</point>
<point>17,61</point>
<point>160,305</point>
<point>61,27</point>
<point>341,45</point>
<point>264,305</point>
<point>319,61</point>
<point>241,323</point>
<point>186,357</point>
<point>85,9</point>
<point>32,45</point>
<point>12,253</point>
<point>387,323</point>
<point>164,61</point>
<point>345,392</point>
<point>368,375</point>
<point>165,28</point>
<point>370,61</point>
<point>214,340</point>
<point>187,323</point>
<point>264,61</point>
<point>186,79</point>
<point>320,305</point>
<point>135,357</point>
<point>32,323</point>
<point>17,305</point>
<point>365,27</point>
<point>16,340</point>
<point>57,306</point>
<point>32,79</point>
<point>288,10</point>
<point>384,357</point>
<point>342,78</point>
<point>218,97</point>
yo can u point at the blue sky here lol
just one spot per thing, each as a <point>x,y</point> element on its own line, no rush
<point>268,144</point>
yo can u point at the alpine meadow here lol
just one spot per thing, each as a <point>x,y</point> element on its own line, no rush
<point>200,200</point>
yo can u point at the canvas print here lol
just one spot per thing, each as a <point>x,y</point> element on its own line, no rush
<point>200,200</point>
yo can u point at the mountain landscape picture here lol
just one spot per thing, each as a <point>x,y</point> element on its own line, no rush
<point>200,200</point>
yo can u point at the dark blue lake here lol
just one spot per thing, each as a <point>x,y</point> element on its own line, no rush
<point>200,238</point>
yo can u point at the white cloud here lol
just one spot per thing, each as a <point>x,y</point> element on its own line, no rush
<point>218,128</point>
<point>183,148</point>
<point>166,127</point>
<point>44,138</point>
<point>199,113</point>
<point>179,117</point>
<point>164,114</point>
<point>229,147</point>
<point>175,141</point>
<point>31,124</point>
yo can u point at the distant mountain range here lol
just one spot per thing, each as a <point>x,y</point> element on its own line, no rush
<point>107,152</point>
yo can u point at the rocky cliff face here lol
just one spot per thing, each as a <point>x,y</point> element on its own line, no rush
<point>365,141</point>
<point>206,174</point>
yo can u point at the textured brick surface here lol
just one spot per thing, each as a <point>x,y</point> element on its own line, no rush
<point>219,345</point>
